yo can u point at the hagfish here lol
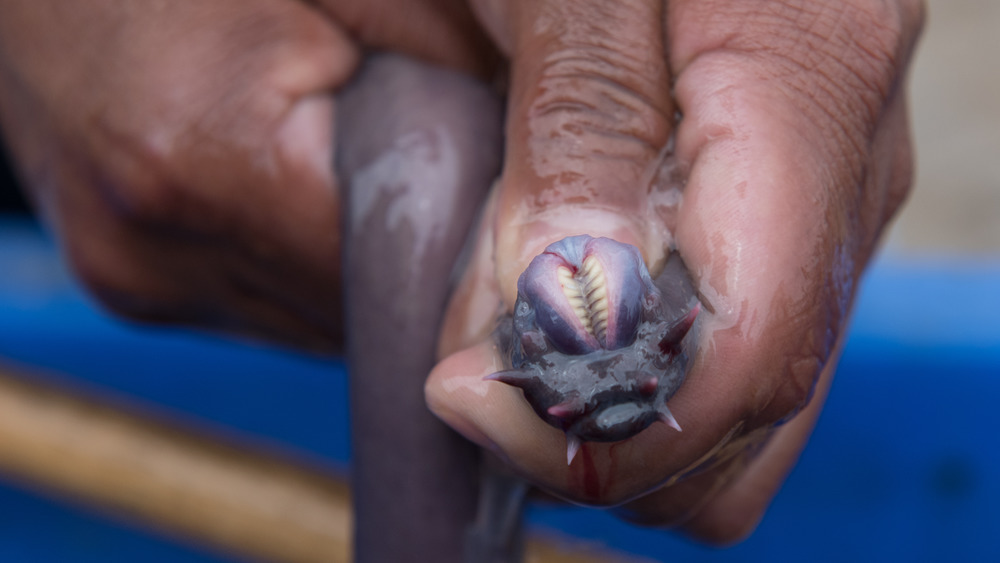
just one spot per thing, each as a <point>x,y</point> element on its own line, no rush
<point>418,148</point>
<point>597,346</point>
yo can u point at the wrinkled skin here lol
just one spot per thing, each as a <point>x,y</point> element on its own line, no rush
<point>792,152</point>
<point>181,151</point>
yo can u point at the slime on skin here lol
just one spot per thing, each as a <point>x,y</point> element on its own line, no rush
<point>597,346</point>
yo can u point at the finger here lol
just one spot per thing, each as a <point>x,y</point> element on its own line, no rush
<point>782,207</point>
<point>170,279</point>
<point>735,512</point>
<point>776,224</point>
<point>724,503</point>
<point>442,32</point>
<point>778,216</point>
<point>589,114</point>
<point>219,144</point>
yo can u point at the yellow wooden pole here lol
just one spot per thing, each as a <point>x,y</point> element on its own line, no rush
<point>233,499</point>
<point>238,500</point>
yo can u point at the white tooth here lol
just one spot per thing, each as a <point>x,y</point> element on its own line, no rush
<point>587,294</point>
<point>572,447</point>
<point>668,418</point>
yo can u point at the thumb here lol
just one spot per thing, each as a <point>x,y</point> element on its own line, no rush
<point>588,122</point>
<point>590,112</point>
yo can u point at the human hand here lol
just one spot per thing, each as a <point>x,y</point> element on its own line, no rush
<point>793,153</point>
<point>182,151</point>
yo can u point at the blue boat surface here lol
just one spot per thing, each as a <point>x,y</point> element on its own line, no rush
<point>902,465</point>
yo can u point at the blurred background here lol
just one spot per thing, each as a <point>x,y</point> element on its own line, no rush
<point>903,464</point>
<point>955,109</point>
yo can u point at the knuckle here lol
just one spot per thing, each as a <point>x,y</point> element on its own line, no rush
<point>734,510</point>
<point>140,181</point>
<point>795,389</point>
<point>730,528</point>
<point>153,203</point>
<point>841,61</point>
<point>792,384</point>
<point>116,284</point>
<point>867,48</point>
<point>113,292</point>
<point>596,99</point>
<point>872,43</point>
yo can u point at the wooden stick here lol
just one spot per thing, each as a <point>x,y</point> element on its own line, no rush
<point>239,501</point>
<point>244,502</point>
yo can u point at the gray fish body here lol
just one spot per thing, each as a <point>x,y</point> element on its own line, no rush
<point>418,148</point>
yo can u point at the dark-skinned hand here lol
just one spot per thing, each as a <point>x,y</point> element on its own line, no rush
<point>181,151</point>
<point>792,150</point>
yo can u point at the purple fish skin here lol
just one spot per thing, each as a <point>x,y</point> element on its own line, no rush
<point>625,282</point>
<point>595,344</point>
<point>418,148</point>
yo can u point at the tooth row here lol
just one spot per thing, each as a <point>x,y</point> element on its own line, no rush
<point>588,296</point>
<point>574,293</point>
<point>596,295</point>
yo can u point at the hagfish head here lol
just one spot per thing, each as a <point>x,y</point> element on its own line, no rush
<point>587,294</point>
<point>591,343</point>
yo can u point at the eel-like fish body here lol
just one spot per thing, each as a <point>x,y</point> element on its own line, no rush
<point>418,147</point>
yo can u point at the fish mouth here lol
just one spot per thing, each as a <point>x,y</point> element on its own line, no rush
<point>593,343</point>
<point>587,293</point>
